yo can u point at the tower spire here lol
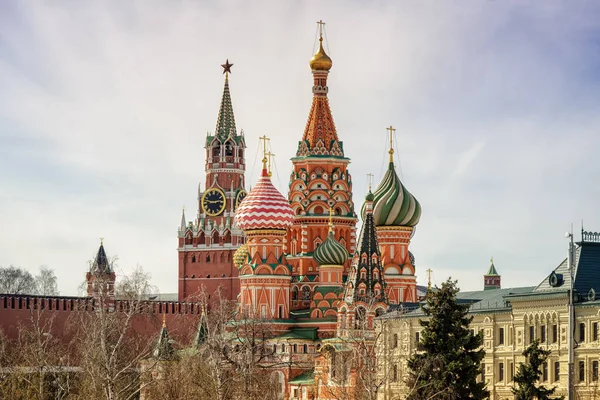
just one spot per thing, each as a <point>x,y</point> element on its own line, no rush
<point>226,120</point>
<point>320,136</point>
<point>182,225</point>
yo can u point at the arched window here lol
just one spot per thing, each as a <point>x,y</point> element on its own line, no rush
<point>294,293</point>
<point>395,341</point>
<point>216,149</point>
<point>193,259</point>
<point>305,293</point>
<point>229,149</point>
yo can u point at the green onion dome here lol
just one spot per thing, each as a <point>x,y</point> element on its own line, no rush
<point>330,252</point>
<point>394,205</point>
<point>240,256</point>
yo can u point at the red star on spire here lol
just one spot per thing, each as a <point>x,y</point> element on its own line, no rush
<point>227,67</point>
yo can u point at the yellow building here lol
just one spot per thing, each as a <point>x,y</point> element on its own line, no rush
<point>510,320</point>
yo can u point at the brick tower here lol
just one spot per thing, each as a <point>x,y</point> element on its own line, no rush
<point>396,213</point>
<point>206,245</point>
<point>320,180</point>
<point>265,275</point>
<point>101,277</point>
<point>492,280</point>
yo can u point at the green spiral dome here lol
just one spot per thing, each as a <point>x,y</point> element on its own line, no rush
<point>330,252</point>
<point>393,204</point>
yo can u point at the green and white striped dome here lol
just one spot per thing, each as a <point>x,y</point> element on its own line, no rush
<point>330,252</point>
<point>394,205</point>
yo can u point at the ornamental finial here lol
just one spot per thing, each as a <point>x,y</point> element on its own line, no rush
<point>101,241</point>
<point>429,271</point>
<point>264,138</point>
<point>227,68</point>
<point>391,129</point>
<point>370,180</point>
<point>320,61</point>
<point>330,219</point>
<point>269,155</point>
<point>164,320</point>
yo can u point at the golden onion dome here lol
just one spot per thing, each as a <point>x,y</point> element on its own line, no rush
<point>320,61</point>
<point>240,256</point>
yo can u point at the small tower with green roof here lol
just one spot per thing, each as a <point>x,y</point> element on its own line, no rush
<point>491,280</point>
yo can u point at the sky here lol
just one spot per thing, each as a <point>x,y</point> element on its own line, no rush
<point>104,107</point>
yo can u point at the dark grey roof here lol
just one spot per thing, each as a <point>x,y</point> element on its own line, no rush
<point>101,263</point>
<point>586,271</point>
<point>480,301</point>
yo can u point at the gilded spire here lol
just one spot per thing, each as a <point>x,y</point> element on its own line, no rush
<point>330,219</point>
<point>265,171</point>
<point>226,120</point>
<point>269,155</point>
<point>391,129</point>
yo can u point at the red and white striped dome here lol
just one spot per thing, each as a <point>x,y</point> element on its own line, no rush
<point>264,207</point>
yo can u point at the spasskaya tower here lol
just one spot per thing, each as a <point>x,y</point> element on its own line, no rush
<point>207,244</point>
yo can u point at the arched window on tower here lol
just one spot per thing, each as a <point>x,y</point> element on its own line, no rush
<point>305,293</point>
<point>294,293</point>
<point>216,150</point>
<point>229,149</point>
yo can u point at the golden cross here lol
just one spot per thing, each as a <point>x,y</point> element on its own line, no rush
<point>264,138</point>
<point>391,129</point>
<point>429,271</point>
<point>370,180</point>
<point>330,219</point>
<point>492,260</point>
<point>321,26</point>
<point>101,241</point>
<point>269,155</point>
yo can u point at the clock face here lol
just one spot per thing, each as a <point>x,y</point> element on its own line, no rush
<point>240,196</point>
<point>213,202</point>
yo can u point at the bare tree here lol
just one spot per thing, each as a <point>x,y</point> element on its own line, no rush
<point>16,280</point>
<point>233,357</point>
<point>46,282</point>
<point>38,367</point>
<point>114,337</point>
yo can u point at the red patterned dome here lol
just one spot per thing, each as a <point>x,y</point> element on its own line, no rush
<point>264,207</point>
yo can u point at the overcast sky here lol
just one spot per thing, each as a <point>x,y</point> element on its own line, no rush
<point>104,108</point>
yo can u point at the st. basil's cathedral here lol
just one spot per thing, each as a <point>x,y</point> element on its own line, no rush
<point>297,261</point>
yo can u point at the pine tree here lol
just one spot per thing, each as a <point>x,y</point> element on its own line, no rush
<point>529,373</point>
<point>448,358</point>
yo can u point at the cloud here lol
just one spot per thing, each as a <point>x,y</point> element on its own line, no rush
<point>104,107</point>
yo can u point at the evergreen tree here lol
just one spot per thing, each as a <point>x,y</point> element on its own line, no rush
<point>529,373</point>
<point>448,358</point>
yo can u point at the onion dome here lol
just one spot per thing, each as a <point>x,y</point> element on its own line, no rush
<point>330,252</point>
<point>320,61</point>
<point>264,207</point>
<point>240,256</point>
<point>393,204</point>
